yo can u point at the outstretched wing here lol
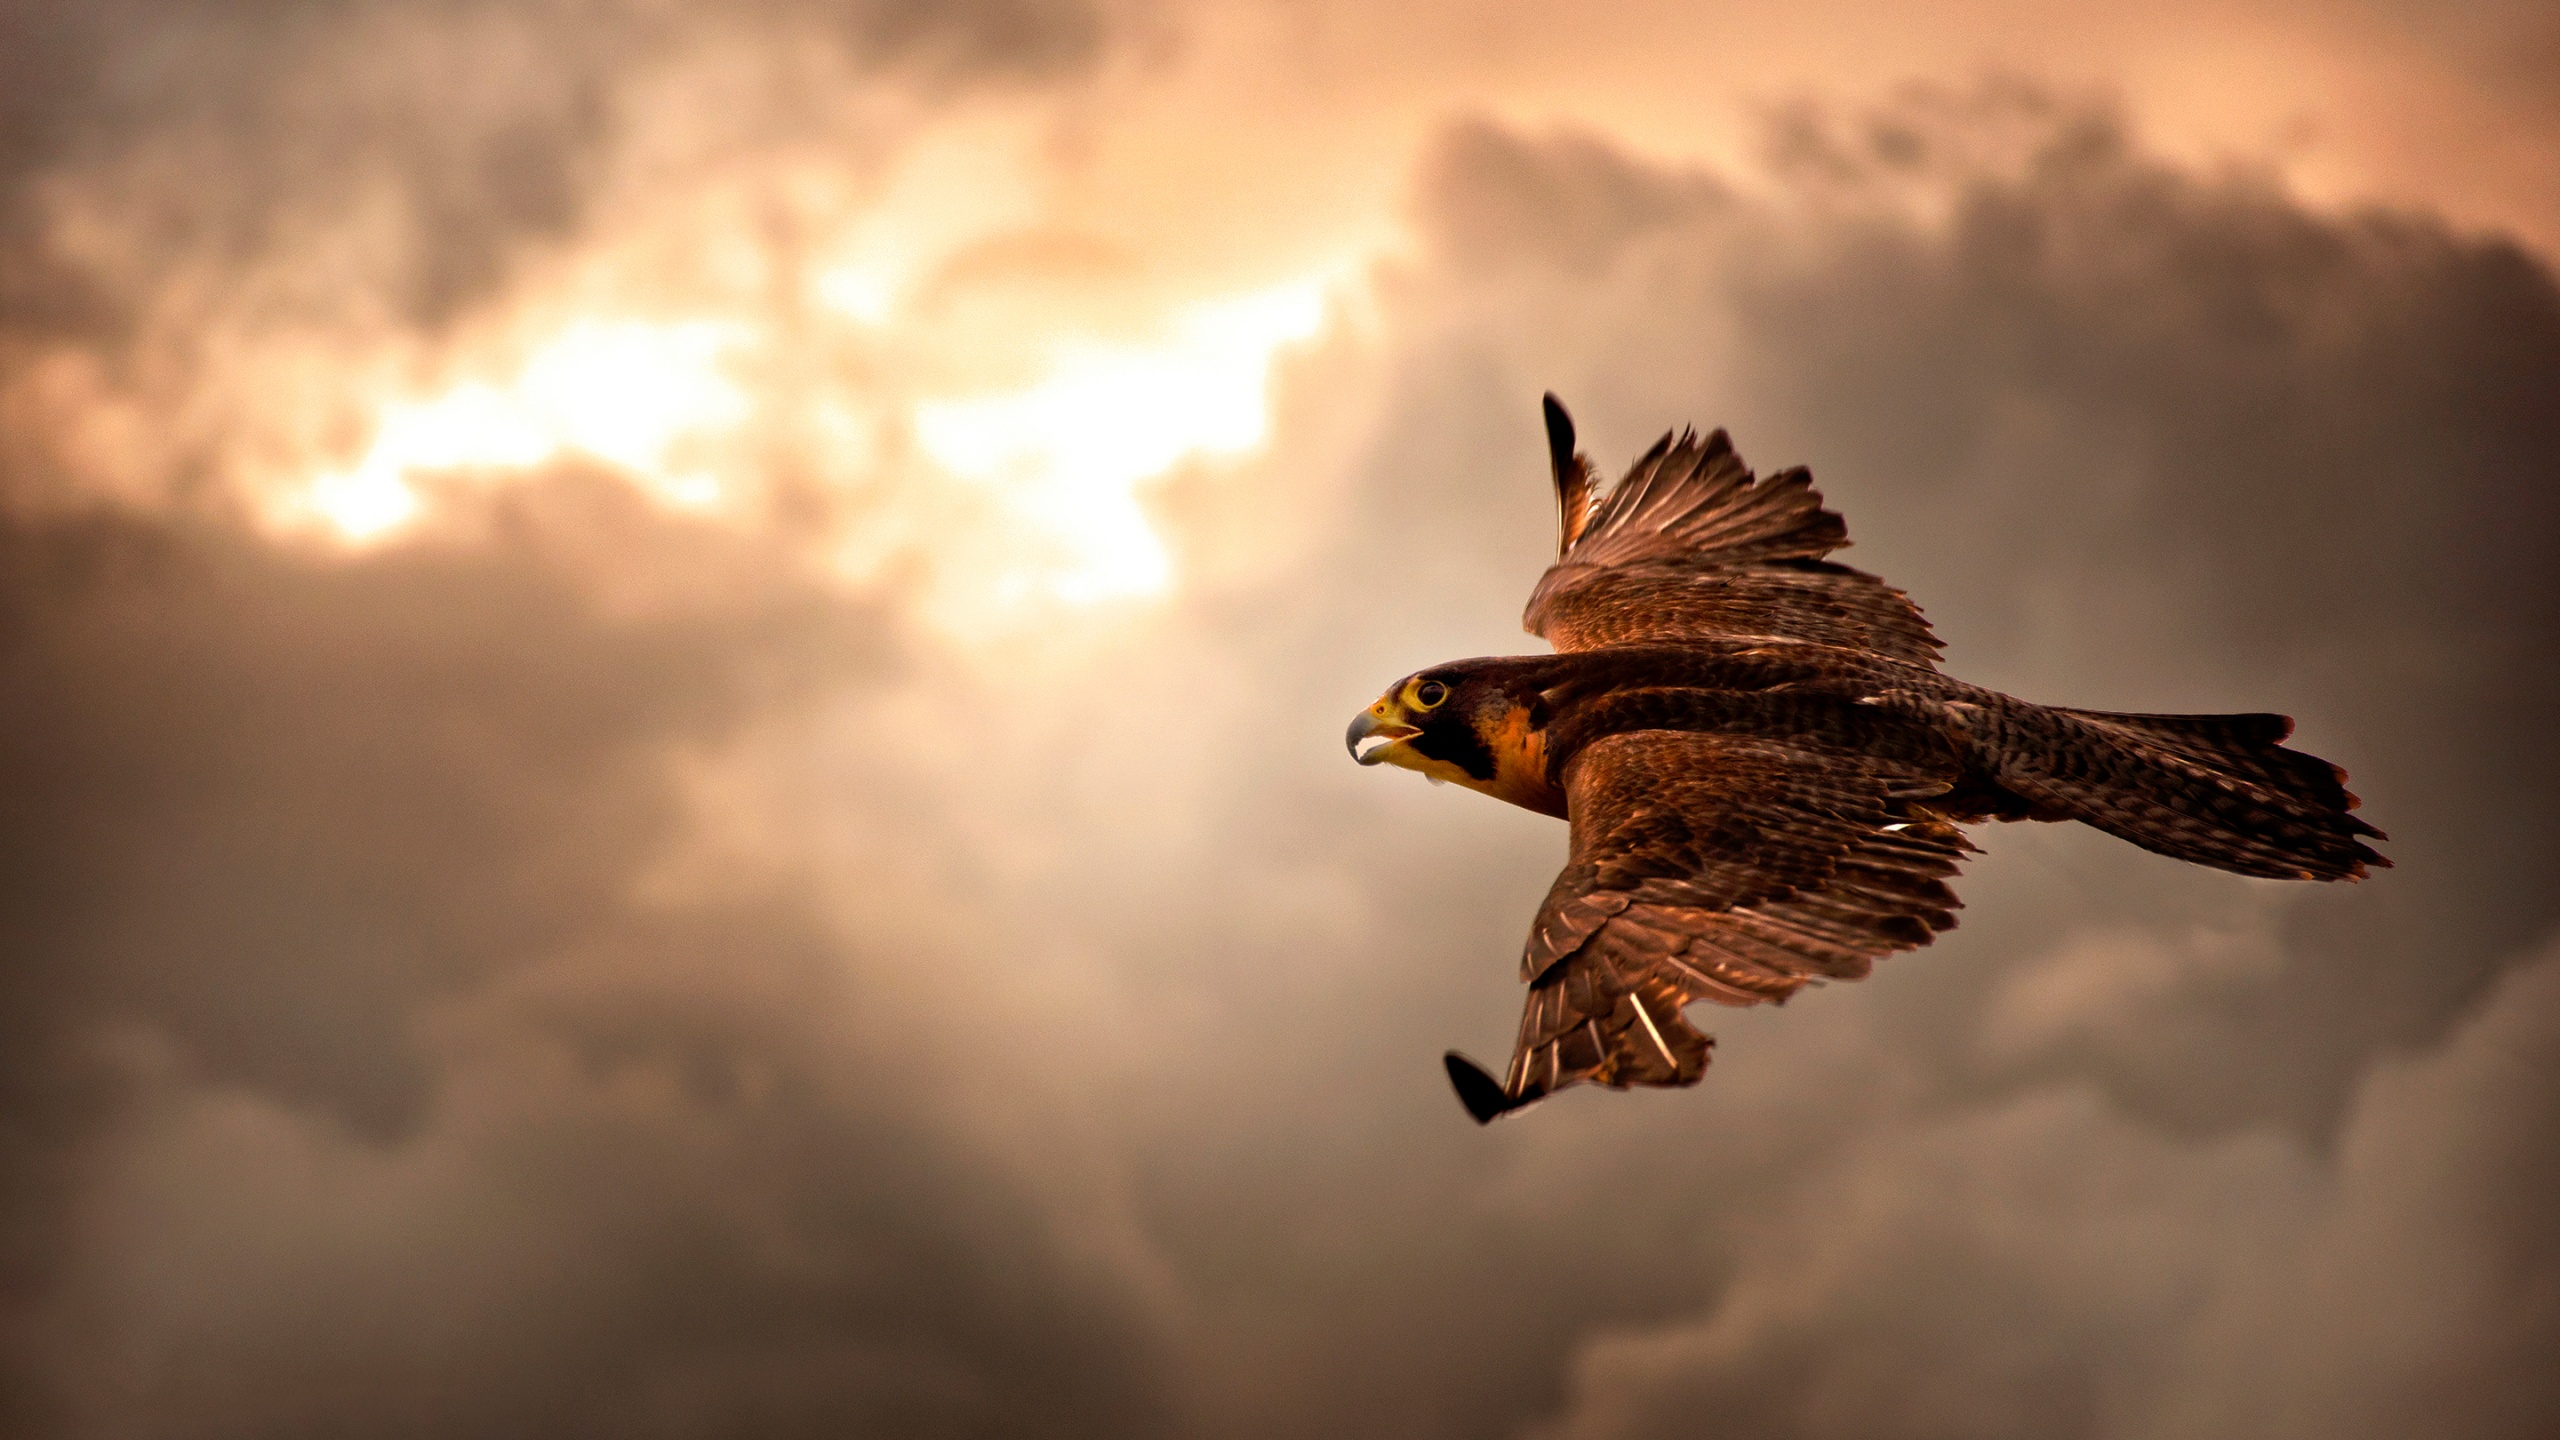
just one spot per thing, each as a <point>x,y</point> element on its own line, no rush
<point>1690,544</point>
<point>1711,867</point>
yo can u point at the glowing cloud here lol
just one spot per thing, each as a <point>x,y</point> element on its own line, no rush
<point>1066,455</point>
<point>624,392</point>
<point>1038,501</point>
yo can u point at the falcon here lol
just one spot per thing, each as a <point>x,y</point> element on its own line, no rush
<point>1766,777</point>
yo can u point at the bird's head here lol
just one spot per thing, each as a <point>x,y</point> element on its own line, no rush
<point>1476,723</point>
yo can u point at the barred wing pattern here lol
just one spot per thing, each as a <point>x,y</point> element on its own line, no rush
<point>1692,545</point>
<point>1712,867</point>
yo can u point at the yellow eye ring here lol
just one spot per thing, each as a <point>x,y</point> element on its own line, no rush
<point>1429,694</point>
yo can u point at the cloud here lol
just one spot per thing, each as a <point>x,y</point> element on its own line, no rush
<point>368,1059</point>
<point>2052,1267</point>
<point>207,204</point>
<point>481,119</point>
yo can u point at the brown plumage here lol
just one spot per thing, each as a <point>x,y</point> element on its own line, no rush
<point>1765,773</point>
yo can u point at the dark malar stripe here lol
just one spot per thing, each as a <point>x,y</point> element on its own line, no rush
<point>1460,746</point>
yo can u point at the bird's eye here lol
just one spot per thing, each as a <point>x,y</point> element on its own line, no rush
<point>1430,693</point>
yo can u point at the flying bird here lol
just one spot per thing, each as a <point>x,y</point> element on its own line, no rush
<point>1766,776</point>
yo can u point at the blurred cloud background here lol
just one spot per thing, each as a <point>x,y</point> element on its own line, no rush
<point>672,679</point>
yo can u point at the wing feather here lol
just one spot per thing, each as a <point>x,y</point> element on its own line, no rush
<point>1719,868</point>
<point>1692,545</point>
<point>1577,485</point>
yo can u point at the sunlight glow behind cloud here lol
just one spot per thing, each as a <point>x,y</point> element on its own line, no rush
<point>624,392</point>
<point>1068,452</point>
<point>1030,497</point>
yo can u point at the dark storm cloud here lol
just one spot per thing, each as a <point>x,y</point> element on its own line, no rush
<point>357,1081</point>
<point>2046,1267</point>
<point>481,132</point>
<point>199,720</point>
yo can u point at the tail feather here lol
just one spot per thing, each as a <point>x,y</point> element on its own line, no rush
<point>2218,790</point>
<point>2248,746</point>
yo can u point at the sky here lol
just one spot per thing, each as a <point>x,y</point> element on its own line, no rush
<point>671,679</point>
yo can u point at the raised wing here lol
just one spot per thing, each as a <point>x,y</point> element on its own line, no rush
<point>1690,544</point>
<point>1711,867</point>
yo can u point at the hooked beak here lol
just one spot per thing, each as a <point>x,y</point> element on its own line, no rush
<point>1379,722</point>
